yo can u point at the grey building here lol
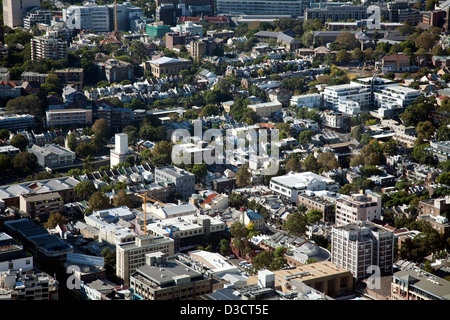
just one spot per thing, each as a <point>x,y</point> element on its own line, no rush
<point>261,7</point>
<point>53,155</point>
<point>184,181</point>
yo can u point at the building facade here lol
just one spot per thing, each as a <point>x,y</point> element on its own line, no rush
<point>184,181</point>
<point>13,11</point>
<point>358,207</point>
<point>359,247</point>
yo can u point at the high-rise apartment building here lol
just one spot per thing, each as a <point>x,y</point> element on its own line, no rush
<point>356,247</point>
<point>49,46</point>
<point>13,11</point>
<point>358,207</point>
<point>131,255</point>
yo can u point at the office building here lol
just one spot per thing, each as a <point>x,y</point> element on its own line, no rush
<point>52,155</point>
<point>12,255</point>
<point>14,122</point>
<point>359,247</point>
<point>358,207</point>
<point>157,30</point>
<point>292,184</point>
<point>132,255</point>
<point>187,231</point>
<point>293,8</point>
<point>169,279</point>
<point>13,11</point>
<point>49,46</point>
<point>44,247</point>
<point>337,13</point>
<point>410,284</point>
<point>191,27</point>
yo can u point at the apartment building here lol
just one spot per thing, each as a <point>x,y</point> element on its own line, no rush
<point>335,120</point>
<point>67,117</point>
<point>397,95</point>
<point>40,206</point>
<point>190,27</point>
<point>12,255</point>
<point>37,16</point>
<point>410,284</point>
<point>157,30</point>
<point>13,11</point>
<point>262,7</point>
<point>206,46</point>
<point>184,181</point>
<point>174,39</point>
<point>132,255</point>
<point>395,63</point>
<point>358,207</point>
<point>10,90</point>
<point>356,247</point>
<point>313,100</point>
<point>52,155</point>
<point>292,184</point>
<point>48,46</point>
<point>169,279</point>
<point>332,96</point>
<point>40,78</point>
<point>71,76</point>
<point>313,202</point>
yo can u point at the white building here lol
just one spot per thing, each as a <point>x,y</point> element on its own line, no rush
<point>120,152</point>
<point>313,100</point>
<point>13,11</point>
<point>291,184</point>
<point>265,109</point>
<point>184,181</point>
<point>358,207</point>
<point>189,26</point>
<point>396,95</point>
<point>357,247</point>
<point>170,210</point>
<point>332,96</point>
<point>49,46</point>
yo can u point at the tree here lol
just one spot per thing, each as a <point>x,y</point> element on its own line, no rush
<point>342,56</point>
<point>99,201</point>
<point>123,199</point>
<point>296,224</point>
<point>305,136</point>
<point>310,163</point>
<point>85,189</point>
<point>444,178</point>
<point>357,132</point>
<point>19,141</point>
<point>4,134</point>
<point>55,219</point>
<point>425,130</point>
<point>24,163</point>
<point>5,165</point>
<point>293,165</point>
<point>200,171</point>
<point>357,54</point>
<point>314,216</point>
<point>243,177</point>
<point>72,141</point>
<point>236,200</point>
<point>328,161</point>
<point>347,40</point>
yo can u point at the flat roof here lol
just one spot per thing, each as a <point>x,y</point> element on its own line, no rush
<point>427,282</point>
<point>165,274</point>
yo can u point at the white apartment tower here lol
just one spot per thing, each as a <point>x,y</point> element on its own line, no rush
<point>120,152</point>
<point>13,11</point>
<point>49,46</point>
<point>356,247</point>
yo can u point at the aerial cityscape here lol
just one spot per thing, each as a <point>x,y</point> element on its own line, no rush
<point>224,150</point>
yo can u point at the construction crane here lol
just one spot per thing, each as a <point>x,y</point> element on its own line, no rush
<point>146,197</point>
<point>116,24</point>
